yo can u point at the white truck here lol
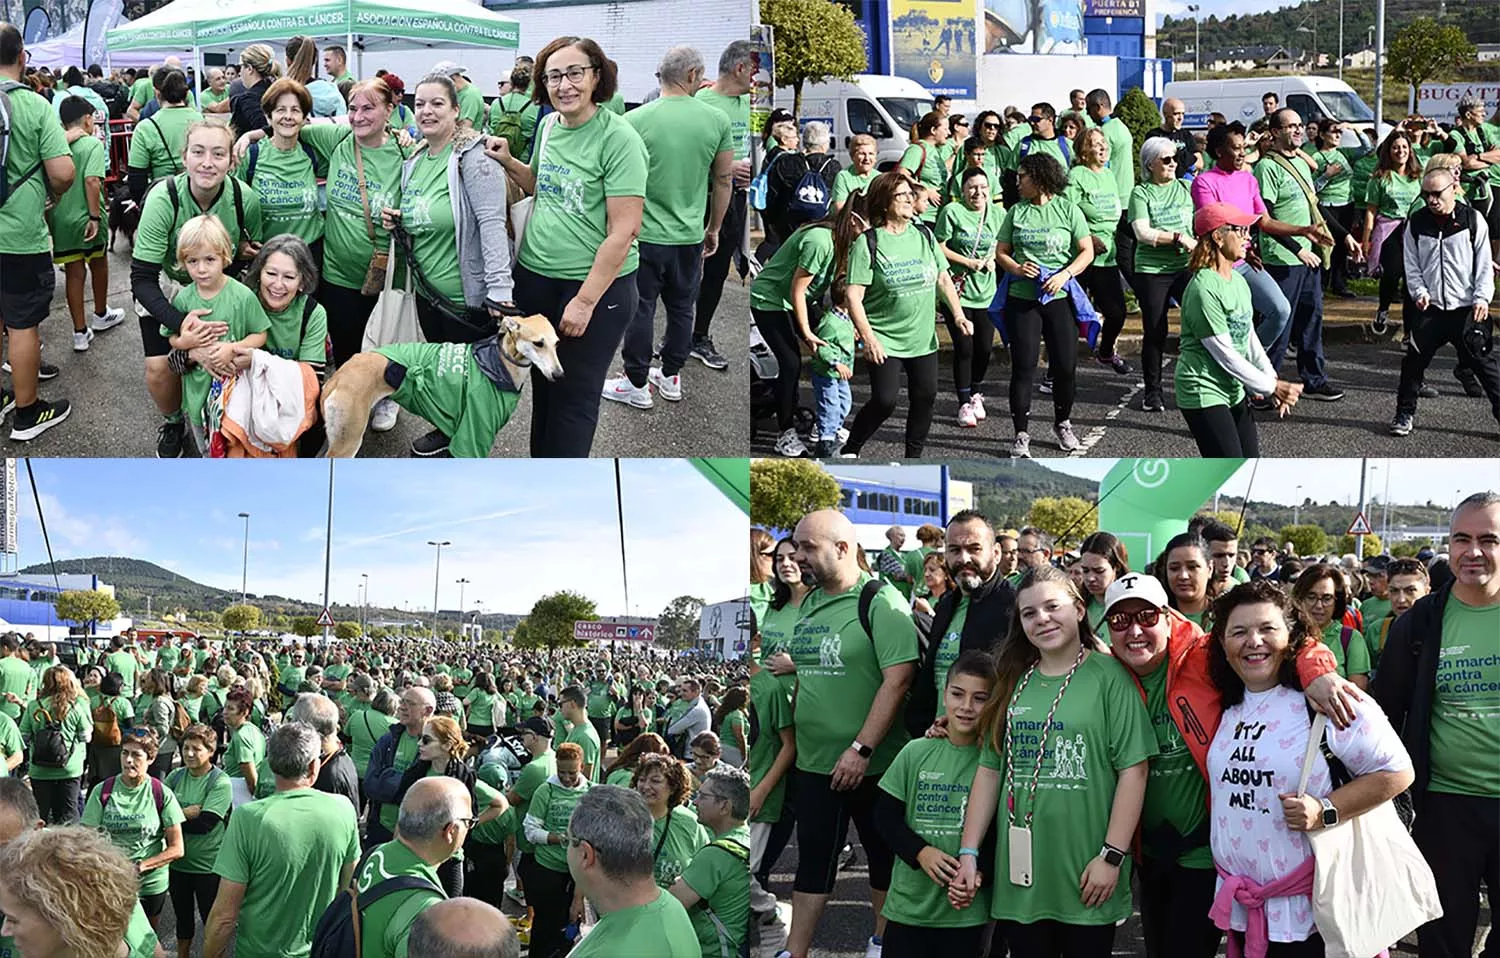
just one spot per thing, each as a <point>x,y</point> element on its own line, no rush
<point>1313,97</point>
<point>883,106</point>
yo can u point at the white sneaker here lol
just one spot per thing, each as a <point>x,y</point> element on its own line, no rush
<point>843,435</point>
<point>81,340</point>
<point>789,444</point>
<point>966,416</point>
<point>383,416</point>
<point>1021,448</point>
<point>108,319</point>
<point>977,401</point>
<point>1066,440</point>
<point>873,949</point>
<point>620,389</point>
<point>668,387</point>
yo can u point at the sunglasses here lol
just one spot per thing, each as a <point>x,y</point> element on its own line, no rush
<point>1145,618</point>
<point>989,126</point>
<point>1033,119</point>
<point>1435,194</point>
<point>428,740</point>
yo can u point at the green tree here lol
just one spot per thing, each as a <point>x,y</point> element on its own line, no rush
<point>815,40</point>
<point>346,631</point>
<point>86,606</point>
<point>1229,517</point>
<point>677,626</point>
<point>380,632</point>
<point>782,491</point>
<point>550,624</point>
<point>1408,549</point>
<point>240,618</point>
<point>521,637</point>
<point>1425,50</point>
<point>1373,546</point>
<point>1140,116</point>
<point>1256,530</point>
<point>1305,539</point>
<point>305,625</point>
<point>1067,519</point>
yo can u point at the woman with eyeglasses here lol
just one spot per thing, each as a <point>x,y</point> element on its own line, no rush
<point>441,751</point>
<point>1322,597</point>
<point>1221,362</point>
<point>1044,244</point>
<point>577,261</point>
<point>1161,215</point>
<point>895,271</point>
<point>1168,656</point>
<point>141,816</point>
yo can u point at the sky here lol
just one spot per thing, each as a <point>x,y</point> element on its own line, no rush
<point>519,529</point>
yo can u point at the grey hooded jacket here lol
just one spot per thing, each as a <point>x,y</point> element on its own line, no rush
<point>1448,260</point>
<point>476,188</point>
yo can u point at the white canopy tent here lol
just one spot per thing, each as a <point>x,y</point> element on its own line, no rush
<point>68,49</point>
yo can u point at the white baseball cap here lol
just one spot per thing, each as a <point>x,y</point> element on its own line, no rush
<point>1135,585</point>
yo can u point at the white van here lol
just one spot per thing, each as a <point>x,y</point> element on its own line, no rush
<point>1313,97</point>
<point>883,106</point>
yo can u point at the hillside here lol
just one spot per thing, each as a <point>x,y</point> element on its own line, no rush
<point>1475,17</point>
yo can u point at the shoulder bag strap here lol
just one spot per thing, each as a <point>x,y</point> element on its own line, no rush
<point>1314,736</point>
<point>666,830</point>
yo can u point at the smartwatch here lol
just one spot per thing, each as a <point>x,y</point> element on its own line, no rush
<point>1112,856</point>
<point>864,751</point>
<point>1330,813</point>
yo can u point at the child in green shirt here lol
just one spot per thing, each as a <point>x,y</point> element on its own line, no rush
<point>79,224</point>
<point>832,367</point>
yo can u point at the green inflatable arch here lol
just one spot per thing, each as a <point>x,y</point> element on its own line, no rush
<point>729,476</point>
<point>1146,502</point>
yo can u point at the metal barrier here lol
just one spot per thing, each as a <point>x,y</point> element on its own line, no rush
<point>119,150</point>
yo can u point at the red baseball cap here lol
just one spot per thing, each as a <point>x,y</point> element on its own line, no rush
<point>1215,215</point>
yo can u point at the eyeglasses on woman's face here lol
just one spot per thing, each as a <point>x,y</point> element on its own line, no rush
<point>573,75</point>
<point>903,195</point>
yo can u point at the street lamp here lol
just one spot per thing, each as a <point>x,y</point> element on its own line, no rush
<point>245,562</point>
<point>364,602</point>
<point>1193,8</point>
<point>461,584</point>
<point>436,569</point>
<point>1314,31</point>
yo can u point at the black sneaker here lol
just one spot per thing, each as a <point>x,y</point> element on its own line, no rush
<point>703,350</point>
<point>1428,391</point>
<point>1153,401</point>
<point>430,445</point>
<point>1045,386</point>
<point>1470,381</point>
<point>1402,424</point>
<point>1262,404</point>
<point>1327,392</point>
<point>44,372</point>
<point>38,418</point>
<point>169,440</point>
<point>7,402</point>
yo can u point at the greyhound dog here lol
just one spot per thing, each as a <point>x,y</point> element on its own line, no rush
<point>468,390</point>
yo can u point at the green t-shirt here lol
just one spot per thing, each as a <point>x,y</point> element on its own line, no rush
<point>471,106</point>
<point>1394,195</point>
<point>772,704</point>
<point>1032,145</point>
<point>139,937</point>
<point>481,706</point>
<point>156,145</point>
<point>836,330</point>
<point>1167,207</point>
<point>528,780</point>
<point>1335,188</point>
<point>721,879</point>
<point>156,237</point>
<point>926,161</point>
<point>35,137</point>
<point>1100,727</point>
<point>734,720</point>
<point>1176,791</point>
<point>1353,661</point>
<point>347,246</point>
<point>445,385</point>
<point>1212,306</point>
<point>900,288</point>
<point>1473,143</point>
<point>1373,611</point>
<point>1010,142</point>
<point>1284,201</point>
<point>10,742</point>
<point>552,805</point>
<point>839,671</point>
<point>75,724</point>
<point>70,217</point>
<point>525,110</point>
<point>932,777</point>
<point>387,923</point>
<point>209,98</point>
<point>737,108</point>
<point>1094,192</point>
<point>1047,234</point>
<point>141,91</point>
<point>810,248</point>
<point>134,826</point>
<point>683,135</point>
<point>1362,163</point>
<point>1121,153</point>
<point>17,678</point>
<point>427,214</point>
<point>947,651</point>
<point>287,185</point>
<point>661,929</point>
<point>365,727</point>
<point>847,181</point>
<point>577,170</point>
<point>247,745</point>
<point>287,339</point>
<point>761,592</point>
<point>234,304</point>
<point>290,850</point>
<point>407,747</point>
<point>1465,735</point>
<point>213,792</point>
<point>124,663</point>
<point>587,738</point>
<point>971,233</point>
<point>684,837</point>
<point>600,704</point>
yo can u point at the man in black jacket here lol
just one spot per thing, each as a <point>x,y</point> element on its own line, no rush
<point>1439,682</point>
<point>338,775</point>
<point>976,615</point>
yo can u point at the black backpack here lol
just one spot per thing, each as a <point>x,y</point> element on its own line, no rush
<point>339,933</point>
<point>49,743</point>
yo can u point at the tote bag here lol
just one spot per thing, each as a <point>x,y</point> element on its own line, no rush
<point>1371,886</point>
<point>395,316</point>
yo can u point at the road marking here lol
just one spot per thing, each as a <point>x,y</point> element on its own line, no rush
<point>1094,435</point>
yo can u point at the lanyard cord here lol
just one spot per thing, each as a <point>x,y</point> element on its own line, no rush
<point>1036,772</point>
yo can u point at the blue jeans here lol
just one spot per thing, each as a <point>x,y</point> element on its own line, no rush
<point>1267,299</point>
<point>834,400</point>
<point>1303,290</point>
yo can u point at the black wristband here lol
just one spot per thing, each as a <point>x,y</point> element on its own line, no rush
<point>94,219</point>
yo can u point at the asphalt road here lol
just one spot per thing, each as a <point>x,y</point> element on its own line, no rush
<point>1108,419</point>
<point>113,414</point>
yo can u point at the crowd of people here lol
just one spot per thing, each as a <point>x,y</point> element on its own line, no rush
<point>270,790</point>
<point>1034,225</point>
<point>1014,730</point>
<point>302,199</point>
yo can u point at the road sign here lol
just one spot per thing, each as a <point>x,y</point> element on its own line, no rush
<point>325,621</point>
<point>612,630</point>
<point>1359,527</point>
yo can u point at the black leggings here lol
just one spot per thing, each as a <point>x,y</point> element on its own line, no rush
<point>488,868</point>
<point>348,313</point>
<point>550,895</point>
<point>1174,910</point>
<point>885,392</point>
<point>439,327</point>
<point>1031,323</point>
<point>1054,939</point>
<point>823,817</point>
<point>451,874</point>
<point>1107,292</point>
<point>913,941</point>
<point>153,904</point>
<point>777,328</point>
<point>971,354</point>
<point>1307,948</point>
<point>1341,221</point>
<point>186,889</point>
<point>1223,430</point>
<point>57,800</point>
<point>1155,290</point>
<point>1393,268</point>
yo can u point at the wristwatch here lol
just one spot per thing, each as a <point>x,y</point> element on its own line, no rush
<point>1330,814</point>
<point>1112,856</point>
<point>864,751</point>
